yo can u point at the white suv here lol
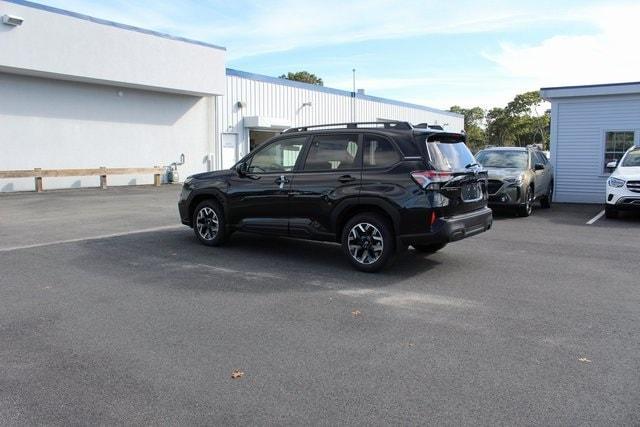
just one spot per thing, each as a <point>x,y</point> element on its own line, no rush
<point>623,186</point>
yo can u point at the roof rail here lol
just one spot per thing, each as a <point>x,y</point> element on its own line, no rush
<point>354,125</point>
<point>428,126</point>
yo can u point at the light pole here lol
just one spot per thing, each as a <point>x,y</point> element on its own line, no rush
<point>353,97</point>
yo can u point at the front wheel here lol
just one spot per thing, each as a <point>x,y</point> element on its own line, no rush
<point>368,242</point>
<point>610,212</point>
<point>208,223</point>
<point>527,208</point>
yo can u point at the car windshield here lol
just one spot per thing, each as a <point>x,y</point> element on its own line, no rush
<point>450,156</point>
<point>502,159</point>
<point>632,159</point>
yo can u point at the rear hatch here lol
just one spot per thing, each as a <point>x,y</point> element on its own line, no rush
<point>455,182</point>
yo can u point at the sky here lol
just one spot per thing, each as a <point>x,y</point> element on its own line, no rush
<point>434,53</point>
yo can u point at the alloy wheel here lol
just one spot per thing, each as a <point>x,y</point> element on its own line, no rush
<point>365,243</point>
<point>207,223</point>
<point>529,206</point>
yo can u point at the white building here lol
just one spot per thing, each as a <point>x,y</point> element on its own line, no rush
<point>80,92</point>
<point>257,107</point>
<point>590,126</point>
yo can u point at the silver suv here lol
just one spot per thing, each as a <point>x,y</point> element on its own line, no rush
<point>518,176</point>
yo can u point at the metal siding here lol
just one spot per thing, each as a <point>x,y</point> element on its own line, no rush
<point>578,143</point>
<point>283,101</point>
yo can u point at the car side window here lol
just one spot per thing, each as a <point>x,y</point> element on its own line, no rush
<point>279,156</point>
<point>541,158</point>
<point>332,152</point>
<point>378,152</point>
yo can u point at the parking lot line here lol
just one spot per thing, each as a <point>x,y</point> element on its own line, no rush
<point>595,218</point>
<point>83,239</point>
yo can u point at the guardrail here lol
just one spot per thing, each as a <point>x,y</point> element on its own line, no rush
<point>102,172</point>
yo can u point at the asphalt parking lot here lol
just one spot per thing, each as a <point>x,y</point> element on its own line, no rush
<point>112,313</point>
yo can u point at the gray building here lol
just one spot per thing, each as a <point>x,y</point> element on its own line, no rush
<point>590,126</point>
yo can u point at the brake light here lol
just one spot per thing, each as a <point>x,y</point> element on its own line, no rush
<point>426,178</point>
<point>432,218</point>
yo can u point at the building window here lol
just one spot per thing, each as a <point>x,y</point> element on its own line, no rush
<point>616,144</point>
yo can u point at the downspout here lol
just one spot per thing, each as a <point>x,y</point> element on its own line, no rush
<point>212,132</point>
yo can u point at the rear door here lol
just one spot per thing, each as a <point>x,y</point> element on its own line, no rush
<point>330,173</point>
<point>543,177</point>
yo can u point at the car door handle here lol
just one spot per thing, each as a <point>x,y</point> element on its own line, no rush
<point>281,181</point>
<point>346,178</point>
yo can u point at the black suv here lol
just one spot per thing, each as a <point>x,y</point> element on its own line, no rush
<point>374,187</point>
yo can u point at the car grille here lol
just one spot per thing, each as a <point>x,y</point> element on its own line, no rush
<point>634,186</point>
<point>494,186</point>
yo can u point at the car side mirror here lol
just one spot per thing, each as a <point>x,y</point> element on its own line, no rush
<point>539,167</point>
<point>612,165</point>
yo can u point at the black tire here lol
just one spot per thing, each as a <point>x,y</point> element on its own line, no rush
<point>429,249</point>
<point>610,212</point>
<point>359,242</point>
<point>527,208</point>
<point>546,201</point>
<point>207,230</point>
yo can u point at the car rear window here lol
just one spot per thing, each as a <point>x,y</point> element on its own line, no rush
<point>449,155</point>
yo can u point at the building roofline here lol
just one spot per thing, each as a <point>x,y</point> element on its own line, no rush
<point>100,21</point>
<point>590,86</point>
<point>308,86</point>
<point>627,88</point>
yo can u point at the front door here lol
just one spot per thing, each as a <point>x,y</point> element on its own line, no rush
<point>543,177</point>
<point>330,173</point>
<point>259,199</point>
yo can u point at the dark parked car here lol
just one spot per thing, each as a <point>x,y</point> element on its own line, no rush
<point>518,176</point>
<point>373,187</point>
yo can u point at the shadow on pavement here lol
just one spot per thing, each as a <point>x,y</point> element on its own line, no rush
<point>246,263</point>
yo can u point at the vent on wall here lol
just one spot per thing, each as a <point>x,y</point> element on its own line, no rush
<point>12,20</point>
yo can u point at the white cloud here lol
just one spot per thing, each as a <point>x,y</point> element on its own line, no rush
<point>610,55</point>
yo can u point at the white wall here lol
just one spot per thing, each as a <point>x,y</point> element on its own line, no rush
<point>69,46</point>
<point>56,124</point>
<point>578,127</point>
<point>282,101</point>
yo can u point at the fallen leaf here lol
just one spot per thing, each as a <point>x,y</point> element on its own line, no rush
<point>356,313</point>
<point>237,374</point>
<point>584,360</point>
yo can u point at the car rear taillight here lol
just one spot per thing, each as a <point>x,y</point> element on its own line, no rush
<point>432,218</point>
<point>426,178</point>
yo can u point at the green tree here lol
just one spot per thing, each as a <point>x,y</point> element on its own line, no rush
<point>303,76</point>
<point>473,125</point>
<point>520,123</point>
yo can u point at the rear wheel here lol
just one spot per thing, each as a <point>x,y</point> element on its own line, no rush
<point>429,249</point>
<point>545,202</point>
<point>368,242</point>
<point>527,208</point>
<point>610,211</point>
<point>208,223</point>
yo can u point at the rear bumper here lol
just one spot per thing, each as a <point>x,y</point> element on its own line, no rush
<point>453,228</point>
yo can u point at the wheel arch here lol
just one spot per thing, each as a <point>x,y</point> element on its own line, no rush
<point>363,205</point>
<point>206,195</point>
